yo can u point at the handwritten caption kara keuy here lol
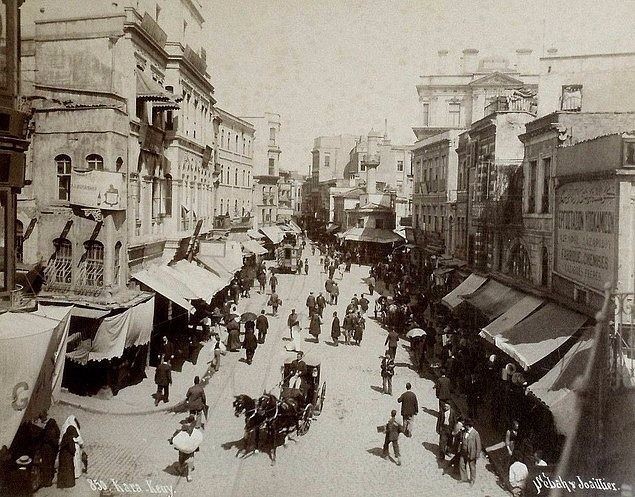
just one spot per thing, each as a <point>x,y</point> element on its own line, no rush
<point>148,486</point>
<point>542,482</point>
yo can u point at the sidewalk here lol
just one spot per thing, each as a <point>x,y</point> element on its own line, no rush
<point>137,399</point>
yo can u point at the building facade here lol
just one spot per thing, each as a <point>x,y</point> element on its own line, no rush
<point>266,160</point>
<point>233,205</point>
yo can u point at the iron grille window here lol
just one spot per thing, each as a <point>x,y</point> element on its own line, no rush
<point>63,165</point>
<point>60,266</point>
<point>94,264</point>
<point>571,98</point>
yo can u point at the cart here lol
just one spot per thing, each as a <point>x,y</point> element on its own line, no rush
<point>311,396</point>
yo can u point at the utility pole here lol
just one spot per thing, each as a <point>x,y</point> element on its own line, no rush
<point>13,140</point>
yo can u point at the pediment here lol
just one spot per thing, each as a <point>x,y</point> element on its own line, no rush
<point>497,79</point>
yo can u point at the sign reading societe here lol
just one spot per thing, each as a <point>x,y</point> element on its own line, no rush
<point>98,189</point>
<point>585,232</point>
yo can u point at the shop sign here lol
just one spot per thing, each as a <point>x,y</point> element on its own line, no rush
<point>586,232</point>
<point>98,189</point>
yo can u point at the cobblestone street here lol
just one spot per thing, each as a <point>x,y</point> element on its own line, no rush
<point>340,454</point>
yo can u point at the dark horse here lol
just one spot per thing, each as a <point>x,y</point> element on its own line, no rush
<point>281,417</point>
<point>254,421</point>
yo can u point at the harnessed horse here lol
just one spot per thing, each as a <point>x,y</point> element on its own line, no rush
<point>281,416</point>
<point>254,420</point>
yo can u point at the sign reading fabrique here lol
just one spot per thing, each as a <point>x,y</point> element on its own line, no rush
<point>585,232</point>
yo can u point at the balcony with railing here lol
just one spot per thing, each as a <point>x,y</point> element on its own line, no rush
<point>512,104</point>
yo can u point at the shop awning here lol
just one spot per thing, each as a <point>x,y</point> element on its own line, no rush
<point>148,89</point>
<point>255,234</point>
<point>31,364</point>
<point>164,284</point>
<point>514,315</point>
<point>203,283</point>
<point>493,299</point>
<point>89,312</point>
<point>275,234</point>
<point>295,227</point>
<point>253,247</point>
<point>539,334</point>
<point>372,235</point>
<point>471,284</point>
<point>557,388</point>
<point>117,332</point>
<point>224,267</point>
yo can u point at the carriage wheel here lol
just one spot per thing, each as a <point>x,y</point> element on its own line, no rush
<point>305,421</point>
<point>320,401</point>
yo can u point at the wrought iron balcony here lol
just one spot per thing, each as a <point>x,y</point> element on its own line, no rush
<point>512,104</point>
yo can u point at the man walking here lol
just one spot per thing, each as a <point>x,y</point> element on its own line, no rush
<point>393,429</point>
<point>320,303</point>
<point>371,285</point>
<point>262,280</point>
<point>273,281</point>
<point>335,329</point>
<point>167,350</point>
<point>163,379</point>
<point>387,372</point>
<point>292,321</point>
<point>195,398</point>
<point>250,343</point>
<point>470,452</point>
<point>274,302</point>
<point>445,425</point>
<point>409,409</point>
<point>311,304</point>
<point>442,386</point>
<point>306,266</point>
<point>392,340</point>
<point>262,325</point>
<point>335,292</point>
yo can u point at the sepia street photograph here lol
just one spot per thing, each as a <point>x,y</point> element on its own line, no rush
<point>336,248</point>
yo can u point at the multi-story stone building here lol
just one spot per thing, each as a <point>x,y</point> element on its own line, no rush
<point>290,195</point>
<point>233,206</point>
<point>266,159</point>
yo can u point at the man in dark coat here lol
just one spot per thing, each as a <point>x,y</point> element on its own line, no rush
<point>195,397</point>
<point>274,302</point>
<point>442,386</point>
<point>292,321</point>
<point>391,341</point>
<point>250,342</point>
<point>315,327</point>
<point>331,271</point>
<point>306,266</point>
<point>273,281</point>
<point>409,408</point>
<point>321,304</point>
<point>262,280</point>
<point>328,286</point>
<point>335,329</point>
<point>446,422</point>
<point>167,350</point>
<point>392,429</point>
<point>470,451</point>
<point>262,325</point>
<point>363,303</point>
<point>163,379</point>
<point>311,304</point>
<point>335,292</point>
<point>349,327</point>
<point>387,372</point>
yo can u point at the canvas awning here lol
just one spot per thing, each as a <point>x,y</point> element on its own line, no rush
<point>275,234</point>
<point>493,299</point>
<point>373,235</point>
<point>32,348</point>
<point>295,227</point>
<point>166,285</point>
<point>116,333</point>
<point>255,234</point>
<point>253,247</point>
<point>557,388</point>
<point>148,89</point>
<point>89,312</point>
<point>471,284</point>
<point>204,284</point>
<point>224,267</point>
<point>539,334</point>
<point>514,315</point>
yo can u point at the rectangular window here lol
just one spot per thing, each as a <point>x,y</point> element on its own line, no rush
<point>63,179</point>
<point>454,113</point>
<point>425,114</point>
<point>272,134</point>
<point>571,98</point>
<point>531,187</point>
<point>167,197</point>
<point>156,198</point>
<point>400,166</point>
<point>327,160</point>
<point>272,167</point>
<point>546,170</point>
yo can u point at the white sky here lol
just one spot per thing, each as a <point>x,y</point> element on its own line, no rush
<point>342,66</point>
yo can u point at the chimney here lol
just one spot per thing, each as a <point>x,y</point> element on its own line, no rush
<point>523,60</point>
<point>469,61</point>
<point>442,62</point>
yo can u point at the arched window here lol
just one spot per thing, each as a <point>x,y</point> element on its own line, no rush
<point>117,264</point>
<point>63,165</point>
<point>119,164</point>
<point>19,241</point>
<point>94,263</point>
<point>236,177</point>
<point>61,264</point>
<point>519,263</point>
<point>95,162</point>
<point>236,207</point>
<point>222,205</point>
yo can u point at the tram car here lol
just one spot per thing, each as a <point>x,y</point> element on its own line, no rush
<point>288,254</point>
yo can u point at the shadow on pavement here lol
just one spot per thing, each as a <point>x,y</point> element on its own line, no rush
<point>377,451</point>
<point>377,389</point>
<point>173,469</point>
<point>235,444</point>
<point>331,344</point>
<point>433,448</point>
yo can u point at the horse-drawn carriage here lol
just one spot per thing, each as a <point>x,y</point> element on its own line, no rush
<point>288,253</point>
<point>301,398</point>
